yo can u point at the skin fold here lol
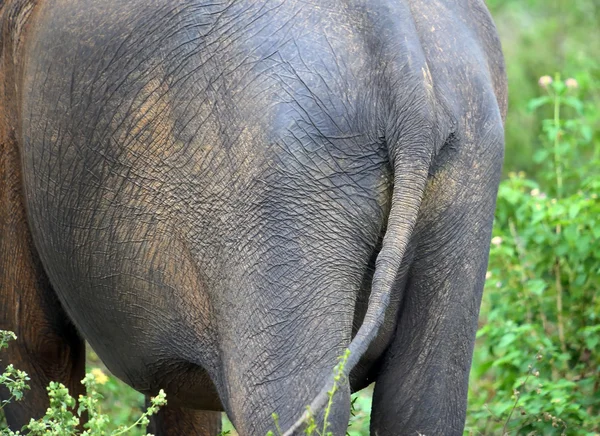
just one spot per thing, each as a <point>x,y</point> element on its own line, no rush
<point>222,197</point>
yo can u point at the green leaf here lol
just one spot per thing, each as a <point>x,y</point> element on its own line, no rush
<point>536,286</point>
<point>574,210</point>
<point>540,155</point>
<point>538,102</point>
<point>586,133</point>
<point>575,103</point>
<point>506,340</point>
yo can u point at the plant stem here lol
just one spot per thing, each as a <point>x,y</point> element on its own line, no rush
<point>557,160</point>
<point>124,430</point>
<point>526,273</point>
<point>517,399</point>
<point>559,307</point>
<point>4,403</point>
<point>339,371</point>
<point>559,192</point>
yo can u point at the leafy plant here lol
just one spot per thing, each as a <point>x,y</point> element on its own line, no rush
<point>537,364</point>
<point>539,36</point>
<point>12,379</point>
<point>63,417</point>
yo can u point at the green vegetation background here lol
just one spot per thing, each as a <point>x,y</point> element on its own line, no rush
<point>537,361</point>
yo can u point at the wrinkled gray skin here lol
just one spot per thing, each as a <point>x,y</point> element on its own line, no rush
<point>209,184</point>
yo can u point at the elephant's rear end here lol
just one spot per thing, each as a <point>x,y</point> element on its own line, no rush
<point>207,189</point>
<point>213,188</point>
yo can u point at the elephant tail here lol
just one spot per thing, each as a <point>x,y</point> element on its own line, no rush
<point>411,169</point>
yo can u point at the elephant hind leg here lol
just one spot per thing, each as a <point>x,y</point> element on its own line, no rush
<point>421,387</point>
<point>48,346</point>
<point>177,421</point>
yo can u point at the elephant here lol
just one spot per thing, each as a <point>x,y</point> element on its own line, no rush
<point>222,197</point>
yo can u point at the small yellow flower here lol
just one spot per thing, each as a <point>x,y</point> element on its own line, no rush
<point>545,81</point>
<point>488,275</point>
<point>100,377</point>
<point>535,192</point>
<point>496,240</point>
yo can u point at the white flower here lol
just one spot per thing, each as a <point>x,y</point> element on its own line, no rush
<point>496,240</point>
<point>571,83</point>
<point>545,81</point>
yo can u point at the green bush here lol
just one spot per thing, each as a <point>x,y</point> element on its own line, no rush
<point>536,365</point>
<point>63,415</point>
